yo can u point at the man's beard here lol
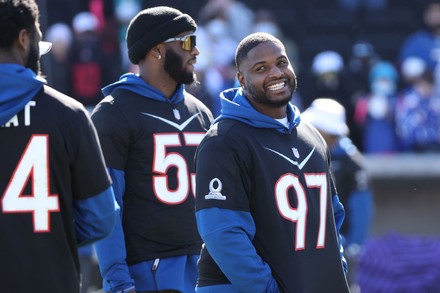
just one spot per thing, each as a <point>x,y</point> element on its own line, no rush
<point>261,96</point>
<point>33,59</point>
<point>174,67</point>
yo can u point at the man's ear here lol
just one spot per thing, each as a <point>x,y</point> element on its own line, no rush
<point>23,40</point>
<point>240,79</point>
<point>158,52</point>
<point>22,46</point>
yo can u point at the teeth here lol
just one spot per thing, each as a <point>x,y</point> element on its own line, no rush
<point>276,86</point>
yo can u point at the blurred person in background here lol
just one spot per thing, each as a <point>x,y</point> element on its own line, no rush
<point>111,51</point>
<point>424,42</point>
<point>327,77</point>
<point>351,178</point>
<point>362,59</point>
<point>87,60</point>
<point>237,16</point>
<point>418,109</point>
<point>56,66</point>
<point>216,71</point>
<point>348,166</point>
<point>124,11</point>
<point>374,112</point>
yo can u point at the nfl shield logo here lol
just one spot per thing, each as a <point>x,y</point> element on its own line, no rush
<point>176,114</point>
<point>295,152</point>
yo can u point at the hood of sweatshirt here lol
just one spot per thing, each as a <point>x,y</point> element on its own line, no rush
<point>18,85</point>
<point>236,106</point>
<point>134,83</point>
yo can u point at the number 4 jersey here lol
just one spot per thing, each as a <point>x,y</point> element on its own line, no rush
<point>153,141</point>
<point>51,167</point>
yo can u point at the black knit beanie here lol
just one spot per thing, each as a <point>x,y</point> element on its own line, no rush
<point>154,25</point>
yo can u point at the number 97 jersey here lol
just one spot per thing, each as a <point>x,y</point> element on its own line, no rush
<point>283,181</point>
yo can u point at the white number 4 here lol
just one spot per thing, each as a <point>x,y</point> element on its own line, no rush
<point>33,164</point>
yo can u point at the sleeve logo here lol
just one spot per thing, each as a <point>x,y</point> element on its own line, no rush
<point>215,192</point>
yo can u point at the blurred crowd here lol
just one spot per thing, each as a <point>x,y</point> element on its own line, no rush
<point>392,105</point>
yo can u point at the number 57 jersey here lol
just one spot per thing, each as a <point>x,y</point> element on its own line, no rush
<point>154,142</point>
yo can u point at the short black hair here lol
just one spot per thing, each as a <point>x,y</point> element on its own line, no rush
<point>16,15</point>
<point>250,42</point>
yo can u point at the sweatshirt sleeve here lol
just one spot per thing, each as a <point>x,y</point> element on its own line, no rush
<point>228,237</point>
<point>111,251</point>
<point>339,214</point>
<point>94,217</point>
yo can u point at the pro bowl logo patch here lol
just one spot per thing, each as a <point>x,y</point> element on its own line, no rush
<point>215,188</point>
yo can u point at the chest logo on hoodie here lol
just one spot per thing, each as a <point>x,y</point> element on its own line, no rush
<point>299,164</point>
<point>295,152</point>
<point>180,127</point>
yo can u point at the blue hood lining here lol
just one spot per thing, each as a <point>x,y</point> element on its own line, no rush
<point>134,83</point>
<point>18,85</point>
<point>236,106</point>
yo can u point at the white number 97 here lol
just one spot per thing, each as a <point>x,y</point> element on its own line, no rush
<point>299,214</point>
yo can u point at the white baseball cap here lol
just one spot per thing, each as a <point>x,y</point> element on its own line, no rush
<point>59,32</point>
<point>413,67</point>
<point>44,47</point>
<point>85,21</point>
<point>327,115</point>
<point>327,61</point>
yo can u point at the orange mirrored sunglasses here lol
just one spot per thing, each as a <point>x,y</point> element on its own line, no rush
<point>188,42</point>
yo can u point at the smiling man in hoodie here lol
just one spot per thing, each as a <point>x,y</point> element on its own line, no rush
<point>266,206</point>
<point>55,192</point>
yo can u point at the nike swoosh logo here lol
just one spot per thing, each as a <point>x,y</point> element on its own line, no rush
<point>180,127</point>
<point>298,164</point>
